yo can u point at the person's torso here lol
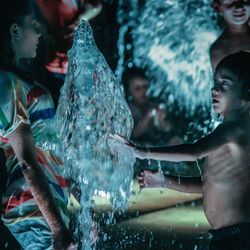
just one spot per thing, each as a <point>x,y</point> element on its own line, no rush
<point>226,184</point>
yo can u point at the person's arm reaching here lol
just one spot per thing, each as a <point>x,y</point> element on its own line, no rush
<point>22,143</point>
<point>149,179</point>
<point>184,184</point>
<point>184,152</point>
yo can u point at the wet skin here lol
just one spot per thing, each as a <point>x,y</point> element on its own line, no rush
<point>226,185</point>
<point>225,182</point>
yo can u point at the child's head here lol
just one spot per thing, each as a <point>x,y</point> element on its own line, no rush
<point>234,12</point>
<point>232,82</point>
<point>18,31</point>
<point>136,85</point>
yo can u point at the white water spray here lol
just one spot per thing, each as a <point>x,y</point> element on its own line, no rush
<point>172,40</point>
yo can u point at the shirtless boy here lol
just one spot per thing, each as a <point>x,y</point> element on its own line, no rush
<point>225,182</point>
<point>236,36</point>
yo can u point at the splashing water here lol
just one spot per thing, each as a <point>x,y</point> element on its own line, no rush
<point>91,107</point>
<point>127,14</point>
<point>172,40</point>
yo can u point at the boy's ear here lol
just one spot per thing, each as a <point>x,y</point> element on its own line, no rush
<point>15,31</point>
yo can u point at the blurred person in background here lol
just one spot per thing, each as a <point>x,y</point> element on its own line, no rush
<point>151,123</point>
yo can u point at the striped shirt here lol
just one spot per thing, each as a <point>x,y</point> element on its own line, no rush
<point>30,103</point>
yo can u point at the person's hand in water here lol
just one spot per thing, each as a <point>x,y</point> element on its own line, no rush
<point>63,240</point>
<point>149,179</point>
<point>136,151</point>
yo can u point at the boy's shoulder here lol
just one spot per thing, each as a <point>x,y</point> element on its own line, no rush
<point>235,129</point>
<point>218,50</point>
<point>218,44</point>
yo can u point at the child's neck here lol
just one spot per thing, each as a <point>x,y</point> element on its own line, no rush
<point>237,29</point>
<point>234,114</point>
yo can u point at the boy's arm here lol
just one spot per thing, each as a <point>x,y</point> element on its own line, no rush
<point>184,184</point>
<point>150,179</point>
<point>189,152</point>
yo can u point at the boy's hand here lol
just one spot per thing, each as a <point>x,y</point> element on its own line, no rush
<point>137,153</point>
<point>149,179</point>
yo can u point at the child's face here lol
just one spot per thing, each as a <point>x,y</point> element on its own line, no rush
<point>28,38</point>
<point>138,88</point>
<point>226,93</point>
<point>236,12</point>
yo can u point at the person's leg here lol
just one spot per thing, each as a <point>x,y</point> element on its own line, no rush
<point>33,234</point>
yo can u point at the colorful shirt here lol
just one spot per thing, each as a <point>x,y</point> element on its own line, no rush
<point>30,103</point>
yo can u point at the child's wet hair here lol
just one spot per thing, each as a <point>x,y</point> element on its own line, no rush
<point>238,65</point>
